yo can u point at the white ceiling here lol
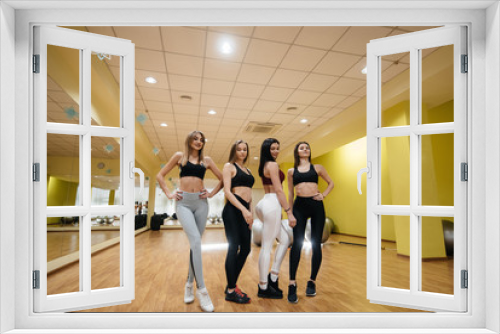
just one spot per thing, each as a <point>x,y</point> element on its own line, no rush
<point>317,70</point>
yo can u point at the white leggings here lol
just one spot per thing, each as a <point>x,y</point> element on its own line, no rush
<point>268,210</point>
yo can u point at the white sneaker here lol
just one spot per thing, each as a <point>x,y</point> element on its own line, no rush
<point>205,301</point>
<point>189,293</point>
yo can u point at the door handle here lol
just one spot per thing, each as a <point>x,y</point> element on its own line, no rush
<point>368,171</point>
<point>134,170</point>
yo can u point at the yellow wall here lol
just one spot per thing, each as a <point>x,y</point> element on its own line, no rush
<point>60,193</point>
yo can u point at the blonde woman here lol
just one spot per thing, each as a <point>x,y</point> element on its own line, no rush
<point>237,217</point>
<point>192,207</point>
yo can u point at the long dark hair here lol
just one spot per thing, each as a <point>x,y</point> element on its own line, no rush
<point>296,153</point>
<point>265,154</point>
<point>232,152</point>
<point>187,147</point>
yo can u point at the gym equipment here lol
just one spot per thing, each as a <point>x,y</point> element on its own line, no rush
<point>326,231</point>
<point>257,232</point>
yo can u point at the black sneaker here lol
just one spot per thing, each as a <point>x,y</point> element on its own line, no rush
<point>237,289</point>
<point>269,293</point>
<point>237,297</point>
<point>274,285</point>
<point>292,294</point>
<point>311,289</point>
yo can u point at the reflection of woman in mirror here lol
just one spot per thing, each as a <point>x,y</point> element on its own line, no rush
<point>269,212</point>
<point>192,207</point>
<point>237,217</point>
<point>303,180</point>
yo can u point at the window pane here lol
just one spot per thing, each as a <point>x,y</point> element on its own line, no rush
<point>437,169</point>
<point>63,85</point>
<point>437,84</point>
<point>105,170</point>
<point>437,254</point>
<point>105,91</point>
<point>395,241</point>
<point>106,264</point>
<point>63,169</point>
<point>395,170</point>
<point>63,245</point>
<point>395,95</point>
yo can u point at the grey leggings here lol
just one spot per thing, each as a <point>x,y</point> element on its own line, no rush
<point>192,213</point>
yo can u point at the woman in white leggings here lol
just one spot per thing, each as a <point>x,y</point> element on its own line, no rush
<point>192,208</point>
<point>268,210</point>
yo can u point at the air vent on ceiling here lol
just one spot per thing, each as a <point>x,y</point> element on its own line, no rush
<point>262,128</point>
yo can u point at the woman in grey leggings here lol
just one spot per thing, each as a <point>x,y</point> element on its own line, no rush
<point>192,207</point>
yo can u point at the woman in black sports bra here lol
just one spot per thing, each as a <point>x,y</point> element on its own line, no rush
<point>237,217</point>
<point>192,207</point>
<point>303,180</point>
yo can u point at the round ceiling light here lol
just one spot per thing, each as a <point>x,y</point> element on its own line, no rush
<point>150,80</point>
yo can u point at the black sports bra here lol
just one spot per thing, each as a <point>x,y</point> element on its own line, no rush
<point>191,169</point>
<point>309,176</point>
<point>242,179</point>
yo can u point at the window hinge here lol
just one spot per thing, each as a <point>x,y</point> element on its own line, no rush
<point>464,172</point>
<point>36,63</point>
<point>36,279</point>
<point>465,279</point>
<point>465,64</point>
<point>36,172</point>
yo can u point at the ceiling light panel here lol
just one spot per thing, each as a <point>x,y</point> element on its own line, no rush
<point>215,41</point>
<point>161,79</point>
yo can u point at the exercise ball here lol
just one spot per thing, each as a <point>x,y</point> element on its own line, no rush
<point>326,231</point>
<point>288,230</point>
<point>329,221</point>
<point>257,232</point>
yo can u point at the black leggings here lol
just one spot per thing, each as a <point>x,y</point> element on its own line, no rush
<point>304,208</point>
<point>238,236</point>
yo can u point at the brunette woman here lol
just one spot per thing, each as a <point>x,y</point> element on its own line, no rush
<point>269,212</point>
<point>237,217</point>
<point>192,207</point>
<point>303,180</point>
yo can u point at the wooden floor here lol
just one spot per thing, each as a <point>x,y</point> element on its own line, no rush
<point>162,265</point>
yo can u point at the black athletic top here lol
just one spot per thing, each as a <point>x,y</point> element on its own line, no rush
<point>191,169</point>
<point>310,176</point>
<point>266,180</point>
<point>242,179</point>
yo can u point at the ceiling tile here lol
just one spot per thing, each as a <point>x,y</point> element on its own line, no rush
<point>320,37</point>
<point>142,37</point>
<point>214,100</point>
<point>265,53</point>
<point>355,39</point>
<point>348,102</point>
<point>360,92</point>
<point>176,98</point>
<point>318,82</point>
<point>217,87</point>
<point>315,111</point>
<point>281,118</point>
<point>287,78</point>
<point>268,106</point>
<point>241,103</point>
<point>302,59</point>
<point>161,116</point>
<point>303,97</point>
<point>158,106</point>
<point>277,34</point>
<point>60,96</point>
<point>259,116</point>
<point>185,83</point>
<point>52,85</point>
<point>215,42</point>
<point>161,79</point>
<point>186,119</point>
<point>328,100</point>
<point>184,65</point>
<point>393,71</point>
<point>155,94</point>
<point>346,86</point>
<point>183,109</point>
<point>184,40</point>
<point>276,94</point>
<point>221,70</point>
<point>247,90</point>
<point>139,104</point>
<point>296,109</point>
<point>107,31</point>
<point>336,63</point>
<point>242,31</point>
<point>411,29</point>
<point>355,71</point>
<point>149,60</point>
<point>236,113</point>
<point>227,122</point>
<point>255,74</point>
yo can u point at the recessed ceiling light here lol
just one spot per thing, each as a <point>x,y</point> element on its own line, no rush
<point>206,140</point>
<point>151,80</point>
<point>303,121</point>
<point>163,124</point>
<point>226,48</point>
<point>186,97</point>
<point>212,112</point>
<point>364,70</point>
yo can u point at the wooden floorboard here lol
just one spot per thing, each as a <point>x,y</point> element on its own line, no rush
<point>162,266</point>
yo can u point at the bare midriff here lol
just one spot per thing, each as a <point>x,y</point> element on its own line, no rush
<point>191,184</point>
<point>244,192</point>
<point>306,189</point>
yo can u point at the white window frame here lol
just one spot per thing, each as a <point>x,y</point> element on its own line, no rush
<point>484,46</point>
